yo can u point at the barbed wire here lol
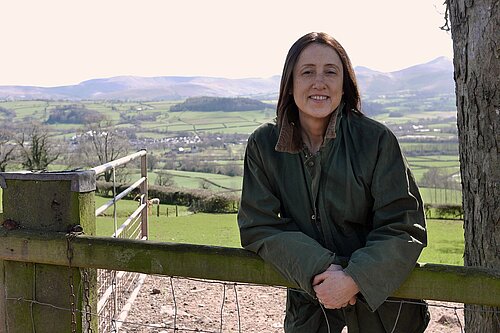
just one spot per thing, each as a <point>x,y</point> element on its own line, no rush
<point>285,288</point>
<point>232,285</point>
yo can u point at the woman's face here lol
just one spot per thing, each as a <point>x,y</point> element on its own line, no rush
<point>317,82</point>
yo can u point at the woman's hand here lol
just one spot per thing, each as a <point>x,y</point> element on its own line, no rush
<point>334,288</point>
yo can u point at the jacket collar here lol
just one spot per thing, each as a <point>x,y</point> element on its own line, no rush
<point>289,138</point>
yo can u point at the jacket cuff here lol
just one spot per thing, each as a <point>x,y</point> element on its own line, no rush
<point>323,263</point>
<point>373,298</point>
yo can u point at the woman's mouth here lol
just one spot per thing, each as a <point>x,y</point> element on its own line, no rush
<point>318,97</point>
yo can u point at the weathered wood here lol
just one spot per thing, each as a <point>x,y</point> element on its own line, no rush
<point>18,314</point>
<point>44,203</point>
<point>433,282</point>
<point>3,314</point>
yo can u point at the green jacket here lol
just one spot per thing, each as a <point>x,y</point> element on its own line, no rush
<point>353,203</point>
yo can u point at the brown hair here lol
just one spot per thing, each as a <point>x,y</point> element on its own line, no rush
<point>286,102</point>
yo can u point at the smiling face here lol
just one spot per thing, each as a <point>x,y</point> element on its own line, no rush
<point>317,82</point>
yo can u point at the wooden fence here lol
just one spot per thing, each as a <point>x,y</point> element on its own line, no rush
<point>43,253</point>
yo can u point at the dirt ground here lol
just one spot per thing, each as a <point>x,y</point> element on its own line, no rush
<point>197,306</point>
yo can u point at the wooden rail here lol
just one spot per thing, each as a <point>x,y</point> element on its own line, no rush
<point>429,281</point>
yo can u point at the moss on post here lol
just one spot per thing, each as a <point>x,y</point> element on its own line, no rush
<point>37,296</point>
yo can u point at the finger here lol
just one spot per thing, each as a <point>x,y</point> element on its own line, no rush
<point>318,279</point>
<point>352,301</point>
<point>318,290</point>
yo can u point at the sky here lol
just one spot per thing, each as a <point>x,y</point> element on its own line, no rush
<point>62,42</point>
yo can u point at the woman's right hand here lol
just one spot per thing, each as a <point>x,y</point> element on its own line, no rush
<point>334,288</point>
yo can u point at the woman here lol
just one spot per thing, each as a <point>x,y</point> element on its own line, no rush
<point>329,201</point>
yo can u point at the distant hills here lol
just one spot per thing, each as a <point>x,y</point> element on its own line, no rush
<point>434,78</point>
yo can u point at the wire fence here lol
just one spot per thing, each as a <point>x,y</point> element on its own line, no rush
<point>174,304</point>
<point>133,302</point>
<point>169,304</point>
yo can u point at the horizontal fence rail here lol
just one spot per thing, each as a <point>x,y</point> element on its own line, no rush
<point>468,285</point>
<point>113,164</point>
<point>120,196</point>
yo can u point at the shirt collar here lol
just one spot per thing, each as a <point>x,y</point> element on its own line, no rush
<point>289,139</point>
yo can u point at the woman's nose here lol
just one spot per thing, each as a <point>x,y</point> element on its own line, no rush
<point>319,81</point>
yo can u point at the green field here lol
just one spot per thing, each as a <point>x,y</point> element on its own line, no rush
<point>168,122</point>
<point>202,229</point>
<point>445,243</point>
<point>445,238</point>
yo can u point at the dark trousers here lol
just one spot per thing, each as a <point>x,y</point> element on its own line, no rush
<point>305,315</point>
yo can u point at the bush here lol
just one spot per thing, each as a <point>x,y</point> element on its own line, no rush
<point>105,189</point>
<point>216,203</point>
<point>199,200</point>
<point>443,211</point>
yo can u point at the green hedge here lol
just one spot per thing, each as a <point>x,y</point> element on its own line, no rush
<point>444,211</point>
<point>198,200</point>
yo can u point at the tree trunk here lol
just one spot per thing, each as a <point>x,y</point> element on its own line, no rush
<point>475,26</point>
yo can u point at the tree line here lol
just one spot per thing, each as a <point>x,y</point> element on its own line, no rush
<point>73,114</point>
<point>206,103</point>
<point>31,146</point>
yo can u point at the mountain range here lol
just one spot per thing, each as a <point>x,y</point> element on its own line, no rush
<point>431,78</point>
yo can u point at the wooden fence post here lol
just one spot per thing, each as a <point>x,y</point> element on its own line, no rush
<point>37,297</point>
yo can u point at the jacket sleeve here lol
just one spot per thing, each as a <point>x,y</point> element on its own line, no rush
<point>398,233</point>
<point>277,240</point>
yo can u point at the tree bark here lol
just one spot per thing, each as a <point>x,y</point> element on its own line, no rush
<point>475,26</point>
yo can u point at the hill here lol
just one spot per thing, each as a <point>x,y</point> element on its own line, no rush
<point>434,77</point>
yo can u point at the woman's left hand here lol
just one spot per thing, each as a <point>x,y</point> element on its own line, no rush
<point>335,289</point>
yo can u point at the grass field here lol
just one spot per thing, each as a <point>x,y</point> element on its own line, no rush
<point>445,238</point>
<point>194,180</point>
<point>445,243</point>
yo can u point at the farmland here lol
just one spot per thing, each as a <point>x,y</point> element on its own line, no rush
<point>205,149</point>
<point>445,237</point>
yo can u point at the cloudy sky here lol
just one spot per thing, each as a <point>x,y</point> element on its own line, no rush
<point>61,42</point>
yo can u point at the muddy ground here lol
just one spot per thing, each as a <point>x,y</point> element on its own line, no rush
<point>197,306</point>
